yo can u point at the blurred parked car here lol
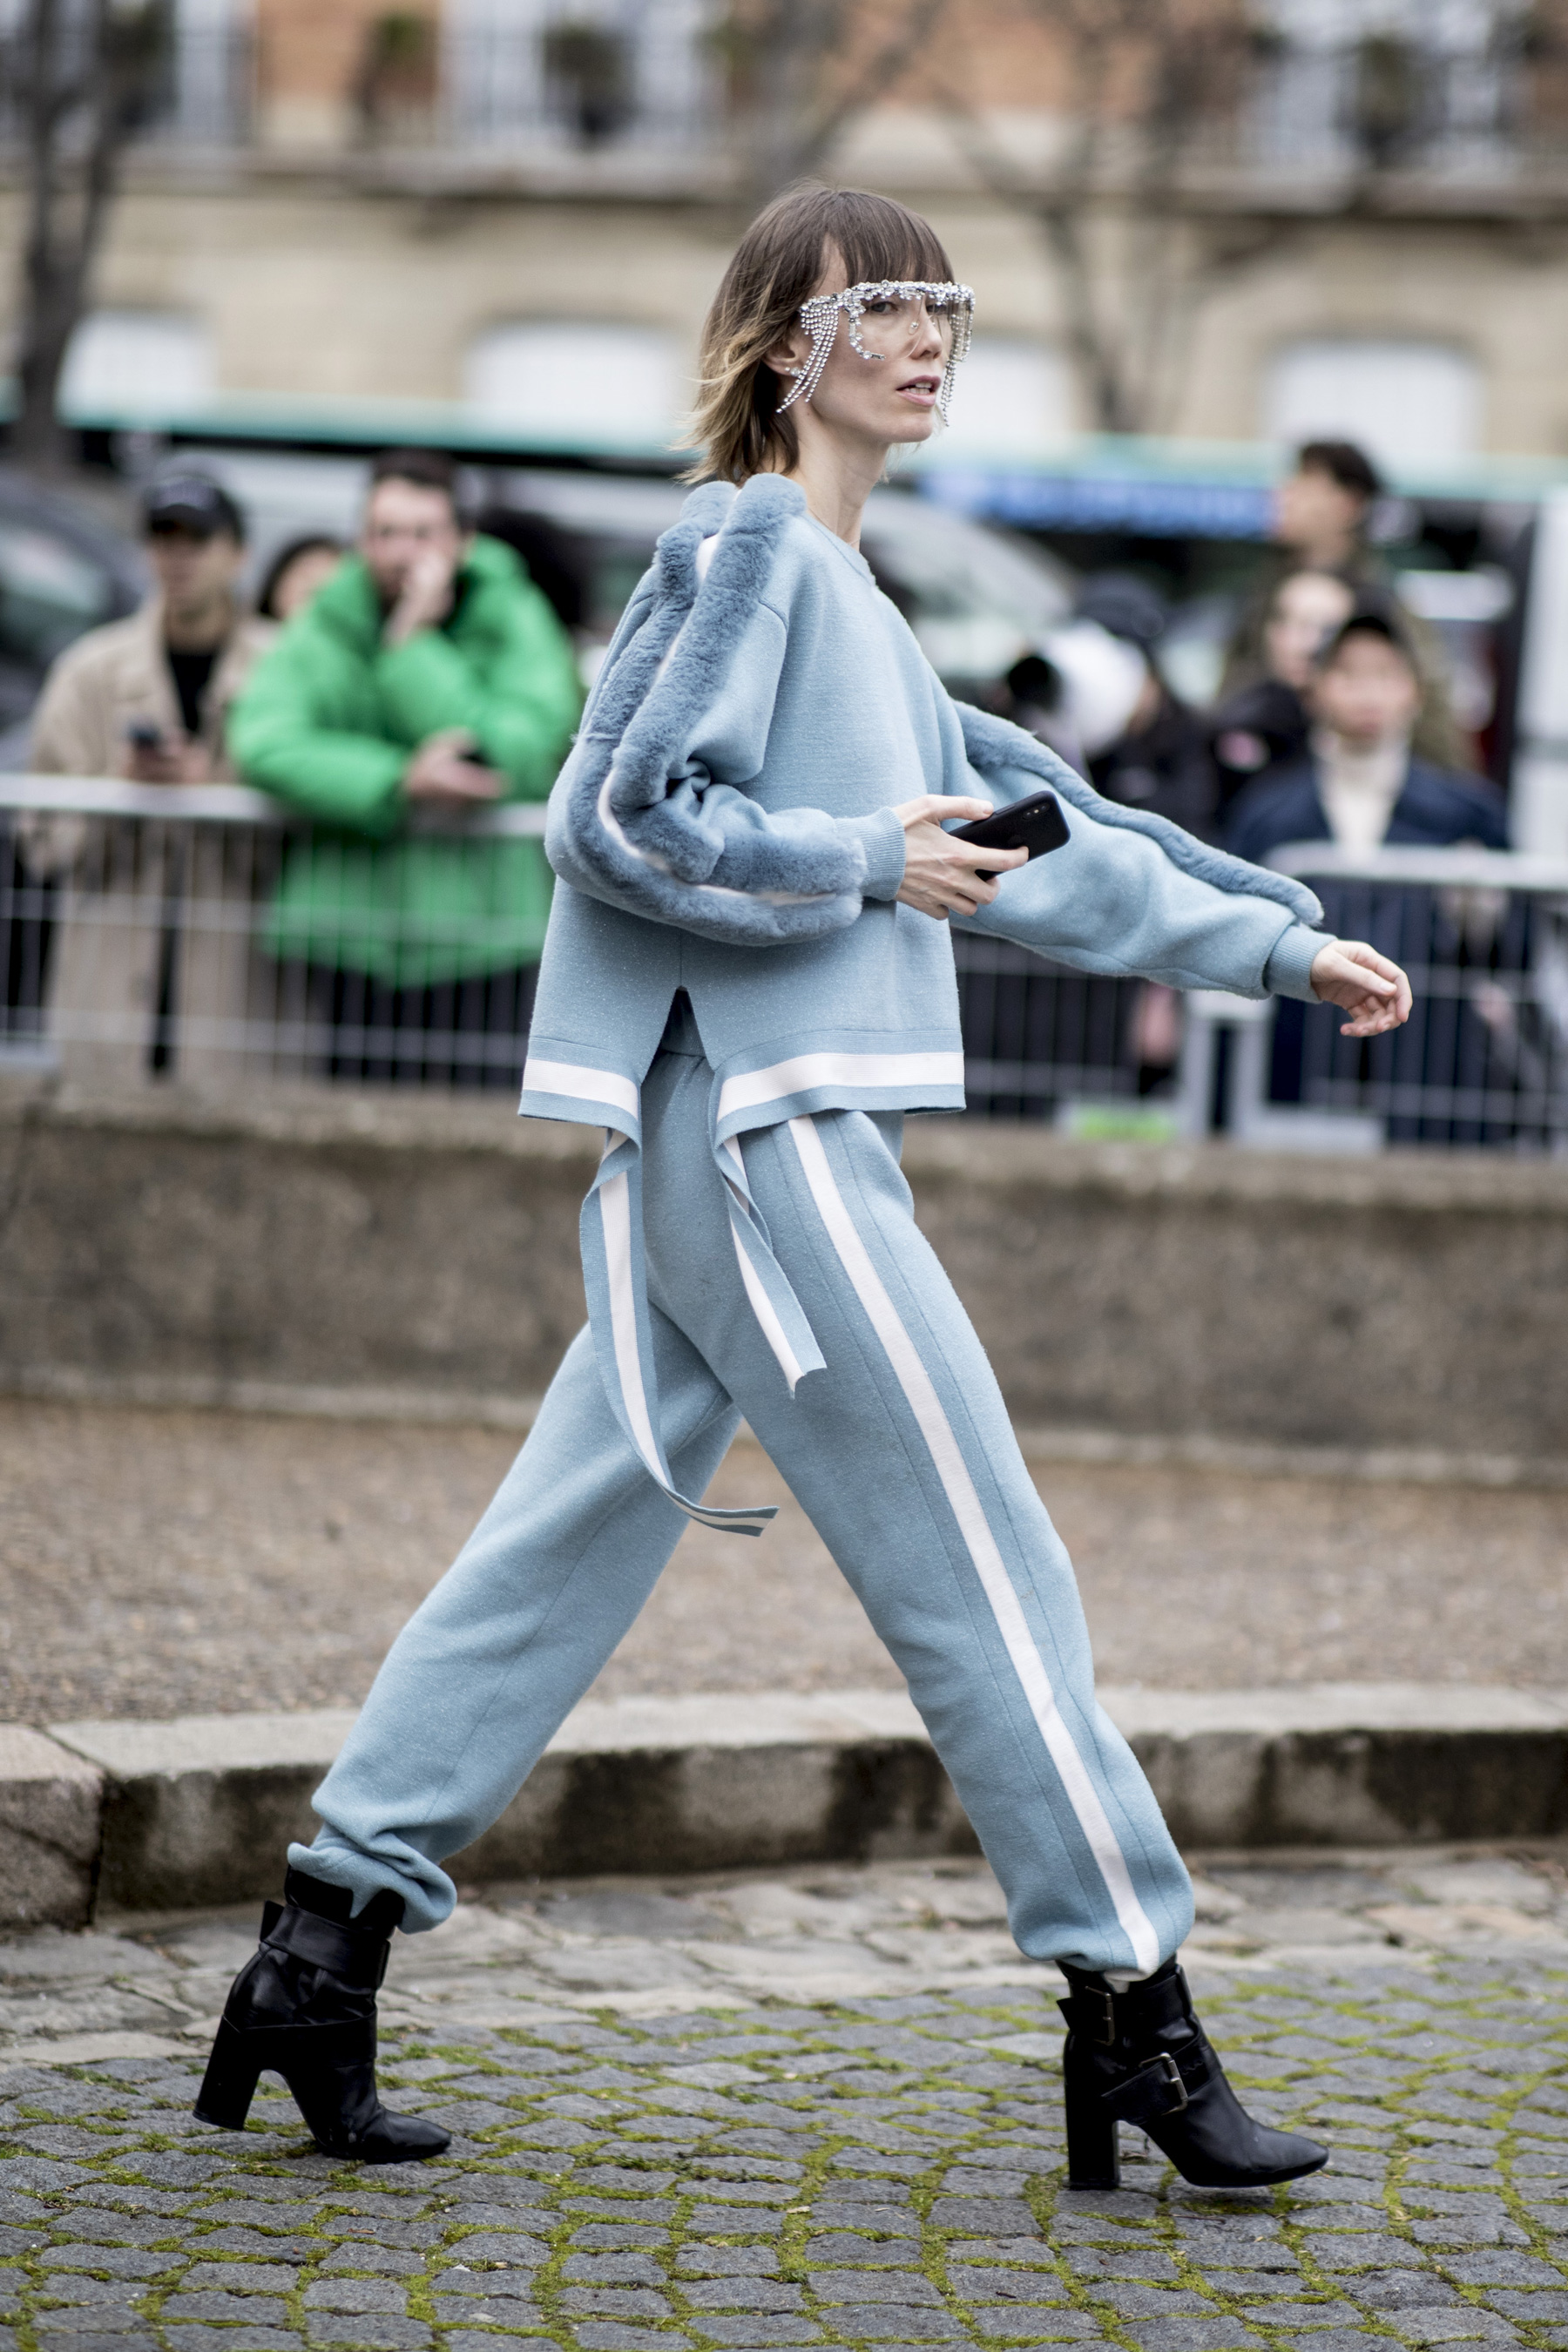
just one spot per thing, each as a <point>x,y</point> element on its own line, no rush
<point>61,572</point>
<point>975,597</point>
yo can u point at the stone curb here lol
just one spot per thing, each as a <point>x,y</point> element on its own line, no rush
<point>169,1816</point>
<point>480,1409</point>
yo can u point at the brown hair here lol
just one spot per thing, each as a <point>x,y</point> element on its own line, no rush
<point>1343,463</point>
<point>776,268</point>
<point>427,469</point>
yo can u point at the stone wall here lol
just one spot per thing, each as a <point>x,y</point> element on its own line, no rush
<point>354,1251</point>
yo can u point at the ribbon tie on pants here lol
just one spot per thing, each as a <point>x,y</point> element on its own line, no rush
<point>614,1275</point>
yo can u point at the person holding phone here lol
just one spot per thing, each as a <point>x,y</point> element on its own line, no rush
<point>152,970</point>
<point>748,982</point>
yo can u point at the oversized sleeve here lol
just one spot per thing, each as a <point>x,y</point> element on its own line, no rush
<point>651,813</point>
<point>1131,894</point>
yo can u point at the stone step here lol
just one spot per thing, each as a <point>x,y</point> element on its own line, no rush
<point>134,1816</point>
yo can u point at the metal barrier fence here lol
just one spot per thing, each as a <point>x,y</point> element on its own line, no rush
<point>206,934</point>
<point>1483,1060</point>
<point>1040,1038</point>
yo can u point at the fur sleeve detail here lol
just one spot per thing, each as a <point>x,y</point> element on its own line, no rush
<point>993,746</point>
<point>635,819</point>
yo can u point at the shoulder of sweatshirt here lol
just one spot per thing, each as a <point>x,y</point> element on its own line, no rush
<point>733,550</point>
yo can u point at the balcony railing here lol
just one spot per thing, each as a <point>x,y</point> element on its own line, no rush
<point>552,76</point>
<point>195,88</point>
<point>1391,103</point>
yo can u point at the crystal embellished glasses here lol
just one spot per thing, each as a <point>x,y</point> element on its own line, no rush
<point>886,316</point>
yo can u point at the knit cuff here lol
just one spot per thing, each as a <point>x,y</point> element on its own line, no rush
<point>881,835</point>
<point>1288,971</point>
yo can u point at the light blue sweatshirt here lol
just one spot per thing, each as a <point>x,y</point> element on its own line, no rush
<point>725,824</point>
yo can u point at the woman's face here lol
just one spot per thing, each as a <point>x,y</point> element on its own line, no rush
<point>890,398</point>
<point>1308,609</point>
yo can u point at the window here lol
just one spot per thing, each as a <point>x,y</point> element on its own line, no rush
<point>208,97</point>
<point>1010,398</point>
<point>125,364</point>
<point>1408,403</point>
<point>192,69</point>
<point>566,382</point>
<point>1347,84</point>
<point>579,73</point>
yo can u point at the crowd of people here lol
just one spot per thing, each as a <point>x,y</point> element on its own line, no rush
<point>1333,722</point>
<point>388,690</point>
<point>384,691</point>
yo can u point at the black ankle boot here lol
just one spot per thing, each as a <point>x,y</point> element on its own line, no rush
<point>304,2008</point>
<point>1141,2057</point>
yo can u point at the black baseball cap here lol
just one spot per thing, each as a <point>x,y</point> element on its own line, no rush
<point>1373,616</point>
<point>192,502</point>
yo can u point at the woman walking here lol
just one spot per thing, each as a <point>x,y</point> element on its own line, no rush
<point>748,982</point>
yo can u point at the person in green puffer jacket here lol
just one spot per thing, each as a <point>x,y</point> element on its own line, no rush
<point>428,678</point>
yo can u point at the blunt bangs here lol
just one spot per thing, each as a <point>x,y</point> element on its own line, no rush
<point>881,239</point>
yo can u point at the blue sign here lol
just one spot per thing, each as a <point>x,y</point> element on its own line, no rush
<point>1151,506</point>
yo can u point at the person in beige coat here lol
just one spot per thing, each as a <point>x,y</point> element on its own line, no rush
<point>152,971</point>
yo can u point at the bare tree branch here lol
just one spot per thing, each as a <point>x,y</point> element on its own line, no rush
<point>880,73</point>
<point>83,74</point>
<point>1142,81</point>
<point>808,80</point>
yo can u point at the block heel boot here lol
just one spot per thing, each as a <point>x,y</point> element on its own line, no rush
<point>304,2007</point>
<point>1141,2057</point>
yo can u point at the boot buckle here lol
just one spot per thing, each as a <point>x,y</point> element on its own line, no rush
<point>1104,2028</point>
<point>1171,2075</point>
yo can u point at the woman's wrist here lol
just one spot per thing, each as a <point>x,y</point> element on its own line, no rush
<point>1288,971</point>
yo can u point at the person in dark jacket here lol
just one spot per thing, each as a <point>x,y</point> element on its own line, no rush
<point>1359,783</point>
<point>1361,786</point>
<point>1161,760</point>
<point>1323,513</point>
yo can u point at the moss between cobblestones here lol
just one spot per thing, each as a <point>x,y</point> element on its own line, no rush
<point>1436,2033</point>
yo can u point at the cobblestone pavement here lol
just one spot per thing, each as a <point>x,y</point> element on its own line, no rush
<point>818,2108</point>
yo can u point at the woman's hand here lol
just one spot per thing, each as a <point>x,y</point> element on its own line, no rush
<point>941,875</point>
<point>1373,991</point>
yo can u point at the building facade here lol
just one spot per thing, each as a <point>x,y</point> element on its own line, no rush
<point>521,207</point>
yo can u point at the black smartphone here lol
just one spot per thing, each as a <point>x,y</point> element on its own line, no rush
<point>1035,824</point>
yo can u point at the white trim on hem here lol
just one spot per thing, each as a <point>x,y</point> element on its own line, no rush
<point>581,1084</point>
<point>805,1072</point>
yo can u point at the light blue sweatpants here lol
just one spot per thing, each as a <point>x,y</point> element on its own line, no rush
<point>902,1453</point>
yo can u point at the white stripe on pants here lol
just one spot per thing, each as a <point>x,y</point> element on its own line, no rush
<point>901,1451</point>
